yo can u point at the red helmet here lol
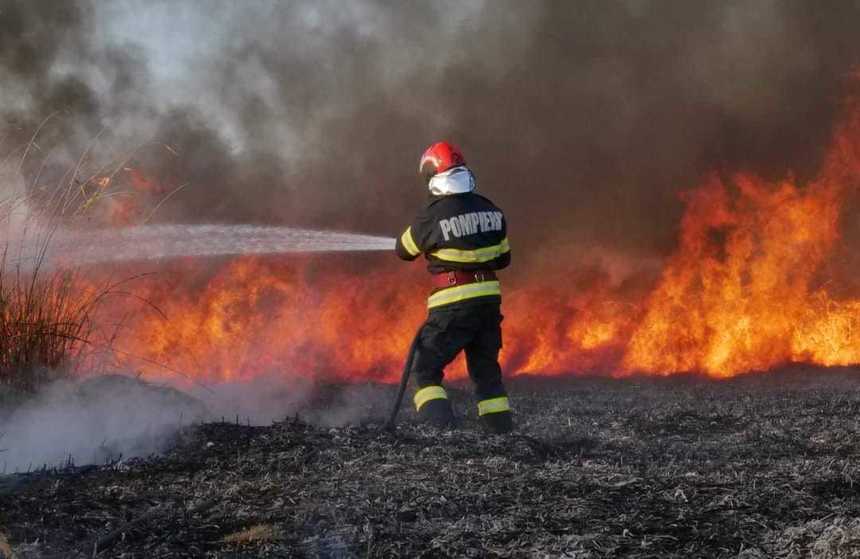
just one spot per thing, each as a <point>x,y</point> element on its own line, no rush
<point>438,158</point>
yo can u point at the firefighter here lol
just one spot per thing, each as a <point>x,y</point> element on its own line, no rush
<point>463,236</point>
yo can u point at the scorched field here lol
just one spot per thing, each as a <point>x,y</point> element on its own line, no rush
<point>756,466</point>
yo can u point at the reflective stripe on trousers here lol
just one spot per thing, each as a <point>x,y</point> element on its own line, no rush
<point>494,405</point>
<point>428,393</point>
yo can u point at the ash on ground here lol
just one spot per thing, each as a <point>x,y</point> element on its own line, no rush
<point>761,466</point>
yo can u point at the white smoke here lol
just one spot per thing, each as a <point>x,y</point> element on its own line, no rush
<point>15,214</point>
<point>109,417</point>
<point>258,401</point>
<point>274,397</point>
<point>94,421</point>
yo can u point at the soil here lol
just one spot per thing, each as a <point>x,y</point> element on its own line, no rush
<point>761,466</point>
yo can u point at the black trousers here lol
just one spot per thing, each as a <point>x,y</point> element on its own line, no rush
<point>474,328</point>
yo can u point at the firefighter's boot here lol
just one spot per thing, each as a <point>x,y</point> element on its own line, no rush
<point>495,415</point>
<point>434,407</point>
<point>437,413</point>
<point>498,423</point>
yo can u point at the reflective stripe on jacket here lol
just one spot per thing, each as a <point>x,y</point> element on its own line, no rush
<point>458,232</point>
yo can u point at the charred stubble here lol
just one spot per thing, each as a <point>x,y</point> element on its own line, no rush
<point>761,466</point>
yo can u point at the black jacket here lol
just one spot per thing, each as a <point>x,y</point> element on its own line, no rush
<point>458,232</point>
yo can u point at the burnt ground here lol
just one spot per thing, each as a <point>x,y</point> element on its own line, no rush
<point>762,466</point>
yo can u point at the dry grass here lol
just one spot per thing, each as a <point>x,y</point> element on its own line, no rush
<point>259,534</point>
<point>827,538</point>
<point>5,549</point>
<point>44,323</point>
<point>45,311</point>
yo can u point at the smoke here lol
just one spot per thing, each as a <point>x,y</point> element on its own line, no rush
<point>268,398</point>
<point>14,208</point>
<point>93,422</point>
<point>313,113</point>
<point>110,417</point>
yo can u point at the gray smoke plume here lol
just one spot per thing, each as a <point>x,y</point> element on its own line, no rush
<point>103,419</point>
<point>313,113</point>
<point>113,417</point>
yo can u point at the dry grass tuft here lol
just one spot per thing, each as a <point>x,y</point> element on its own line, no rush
<point>261,533</point>
<point>44,324</point>
<point>826,538</point>
<point>45,311</point>
<point>5,549</point>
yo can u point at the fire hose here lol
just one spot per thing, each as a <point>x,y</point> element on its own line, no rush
<point>404,381</point>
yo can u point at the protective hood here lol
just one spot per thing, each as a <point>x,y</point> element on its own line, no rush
<point>457,180</point>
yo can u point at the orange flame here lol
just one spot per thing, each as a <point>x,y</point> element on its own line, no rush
<point>744,290</point>
<point>125,198</point>
<point>748,288</point>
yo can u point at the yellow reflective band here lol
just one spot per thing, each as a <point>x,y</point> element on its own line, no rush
<point>409,243</point>
<point>473,256</point>
<point>494,405</point>
<point>429,393</point>
<point>463,292</point>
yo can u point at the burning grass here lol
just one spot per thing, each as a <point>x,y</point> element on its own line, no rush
<point>758,279</point>
<point>44,323</point>
<point>47,315</point>
<point>46,305</point>
<point>754,467</point>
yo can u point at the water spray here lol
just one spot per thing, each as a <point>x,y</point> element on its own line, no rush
<point>157,242</point>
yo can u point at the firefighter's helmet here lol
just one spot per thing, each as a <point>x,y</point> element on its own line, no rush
<point>438,158</point>
<point>444,170</point>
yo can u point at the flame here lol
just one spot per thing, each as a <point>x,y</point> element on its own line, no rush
<point>745,291</point>
<point>750,287</point>
<point>257,316</point>
<point>139,182</point>
<point>310,317</point>
<point>124,198</point>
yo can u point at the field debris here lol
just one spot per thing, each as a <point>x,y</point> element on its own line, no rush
<point>5,549</point>
<point>254,535</point>
<point>754,467</point>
